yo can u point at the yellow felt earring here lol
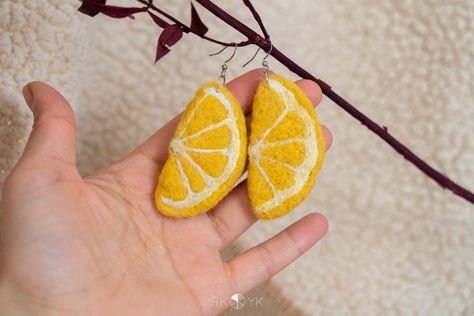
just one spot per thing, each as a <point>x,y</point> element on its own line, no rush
<point>286,147</point>
<point>207,154</point>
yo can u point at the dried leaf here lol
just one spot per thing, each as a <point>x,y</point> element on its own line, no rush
<point>197,26</point>
<point>159,21</point>
<point>92,7</point>
<point>170,36</point>
<point>89,9</point>
<point>161,50</point>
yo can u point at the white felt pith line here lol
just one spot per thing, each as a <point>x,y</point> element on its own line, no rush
<point>284,164</point>
<point>277,121</point>
<point>207,178</point>
<point>232,152</point>
<point>283,142</point>
<point>207,129</point>
<point>181,172</point>
<point>265,177</point>
<point>186,123</point>
<point>309,141</point>
<point>206,150</point>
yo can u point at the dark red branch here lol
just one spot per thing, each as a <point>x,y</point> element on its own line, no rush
<point>256,39</point>
<point>163,13</point>
<point>257,18</point>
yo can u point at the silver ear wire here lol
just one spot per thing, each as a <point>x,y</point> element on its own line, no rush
<point>264,61</point>
<point>220,51</point>
<point>253,57</point>
<point>224,65</point>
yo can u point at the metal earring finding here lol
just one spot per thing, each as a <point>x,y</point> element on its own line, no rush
<point>224,65</point>
<point>265,65</point>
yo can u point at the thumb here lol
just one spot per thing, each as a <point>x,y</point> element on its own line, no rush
<point>52,142</point>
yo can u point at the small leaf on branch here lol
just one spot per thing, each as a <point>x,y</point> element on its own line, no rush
<point>159,21</point>
<point>161,50</point>
<point>197,26</point>
<point>89,9</point>
<point>170,36</point>
<point>93,7</point>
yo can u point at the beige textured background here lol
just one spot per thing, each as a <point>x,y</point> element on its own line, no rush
<point>397,244</point>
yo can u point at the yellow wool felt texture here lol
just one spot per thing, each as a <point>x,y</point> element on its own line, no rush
<point>286,148</point>
<point>206,156</point>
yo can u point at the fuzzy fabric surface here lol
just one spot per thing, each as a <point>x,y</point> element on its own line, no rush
<point>397,242</point>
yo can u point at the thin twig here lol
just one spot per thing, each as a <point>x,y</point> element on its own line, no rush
<point>257,18</point>
<point>256,39</point>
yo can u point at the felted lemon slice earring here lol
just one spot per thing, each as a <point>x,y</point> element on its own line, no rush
<point>286,147</point>
<point>206,155</point>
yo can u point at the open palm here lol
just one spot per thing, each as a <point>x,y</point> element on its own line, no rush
<point>97,245</point>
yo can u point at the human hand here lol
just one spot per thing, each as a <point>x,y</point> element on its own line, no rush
<point>97,245</point>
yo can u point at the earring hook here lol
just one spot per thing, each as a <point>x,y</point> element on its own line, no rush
<point>223,49</point>
<point>264,61</point>
<point>269,51</point>
<point>220,51</point>
<point>255,54</point>
<point>224,65</point>
<point>251,59</point>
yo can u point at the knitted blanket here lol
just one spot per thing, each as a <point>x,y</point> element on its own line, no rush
<point>397,243</point>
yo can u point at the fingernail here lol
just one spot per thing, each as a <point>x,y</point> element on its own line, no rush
<point>28,95</point>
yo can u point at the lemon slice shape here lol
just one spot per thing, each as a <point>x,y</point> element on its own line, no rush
<point>206,155</point>
<point>286,148</point>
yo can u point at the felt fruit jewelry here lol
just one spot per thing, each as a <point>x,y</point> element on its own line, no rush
<point>207,153</point>
<point>286,147</point>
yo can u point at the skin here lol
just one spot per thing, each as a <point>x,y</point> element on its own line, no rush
<point>97,246</point>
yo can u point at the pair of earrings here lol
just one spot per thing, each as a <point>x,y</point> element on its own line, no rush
<point>209,149</point>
